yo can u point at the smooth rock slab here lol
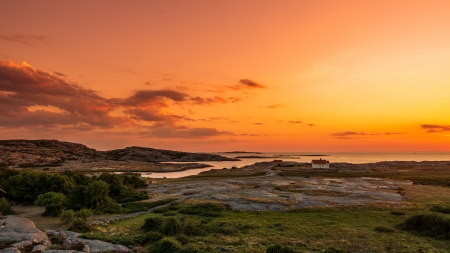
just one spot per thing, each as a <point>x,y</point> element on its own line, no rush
<point>92,246</point>
<point>17,229</point>
<point>10,250</point>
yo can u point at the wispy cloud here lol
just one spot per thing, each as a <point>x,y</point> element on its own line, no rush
<point>274,106</point>
<point>435,128</point>
<point>350,135</point>
<point>26,39</point>
<point>394,133</point>
<point>246,84</point>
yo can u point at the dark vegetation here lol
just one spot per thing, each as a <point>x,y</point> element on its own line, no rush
<point>71,190</point>
<point>432,225</point>
<point>5,207</point>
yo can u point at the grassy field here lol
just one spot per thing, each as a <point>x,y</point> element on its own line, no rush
<point>312,229</point>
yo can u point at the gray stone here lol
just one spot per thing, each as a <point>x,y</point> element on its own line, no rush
<point>61,251</point>
<point>73,239</point>
<point>10,250</point>
<point>16,229</point>
<point>22,244</point>
<point>38,248</point>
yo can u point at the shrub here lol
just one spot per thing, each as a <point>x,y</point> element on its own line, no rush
<point>67,216</point>
<point>193,229</point>
<point>165,245</point>
<point>5,207</point>
<point>429,225</point>
<point>84,214</point>
<point>182,238</point>
<point>384,229</point>
<point>53,201</point>
<point>171,226</point>
<point>80,225</point>
<point>153,224</point>
<point>279,249</point>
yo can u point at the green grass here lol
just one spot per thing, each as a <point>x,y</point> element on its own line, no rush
<point>348,228</point>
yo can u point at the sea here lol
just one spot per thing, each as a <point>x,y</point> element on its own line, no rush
<point>333,157</point>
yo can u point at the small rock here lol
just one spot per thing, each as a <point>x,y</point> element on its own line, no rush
<point>38,248</point>
<point>22,244</point>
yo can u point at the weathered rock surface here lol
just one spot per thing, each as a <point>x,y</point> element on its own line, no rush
<point>19,233</point>
<point>72,241</point>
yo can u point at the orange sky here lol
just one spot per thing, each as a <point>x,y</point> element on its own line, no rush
<point>311,76</point>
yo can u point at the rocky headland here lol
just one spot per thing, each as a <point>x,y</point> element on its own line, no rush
<point>54,153</point>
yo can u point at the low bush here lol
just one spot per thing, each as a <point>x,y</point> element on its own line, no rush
<point>171,226</point>
<point>279,249</point>
<point>153,224</point>
<point>80,225</point>
<point>67,216</point>
<point>432,225</point>
<point>165,245</point>
<point>5,207</point>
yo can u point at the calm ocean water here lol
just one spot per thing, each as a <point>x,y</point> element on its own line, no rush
<point>366,157</point>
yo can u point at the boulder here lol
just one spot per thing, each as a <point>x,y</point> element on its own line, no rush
<point>20,233</point>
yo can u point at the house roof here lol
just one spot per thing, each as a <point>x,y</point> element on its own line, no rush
<point>320,161</point>
<point>1,190</point>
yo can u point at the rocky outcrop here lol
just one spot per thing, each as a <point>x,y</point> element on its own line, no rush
<point>18,233</point>
<point>21,235</point>
<point>54,153</point>
<point>72,241</point>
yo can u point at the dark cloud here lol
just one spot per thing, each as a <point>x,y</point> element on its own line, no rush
<point>435,128</point>
<point>246,84</point>
<point>393,133</point>
<point>35,99</point>
<point>257,123</point>
<point>251,84</point>
<point>350,135</point>
<point>59,74</point>
<point>152,97</point>
<point>311,125</point>
<point>165,132</point>
<point>148,83</point>
<point>207,101</point>
<point>274,106</point>
<point>295,122</point>
<point>234,99</point>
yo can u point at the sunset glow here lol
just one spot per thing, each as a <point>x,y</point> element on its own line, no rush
<point>304,76</point>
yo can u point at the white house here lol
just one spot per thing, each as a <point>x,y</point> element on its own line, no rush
<point>320,164</point>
